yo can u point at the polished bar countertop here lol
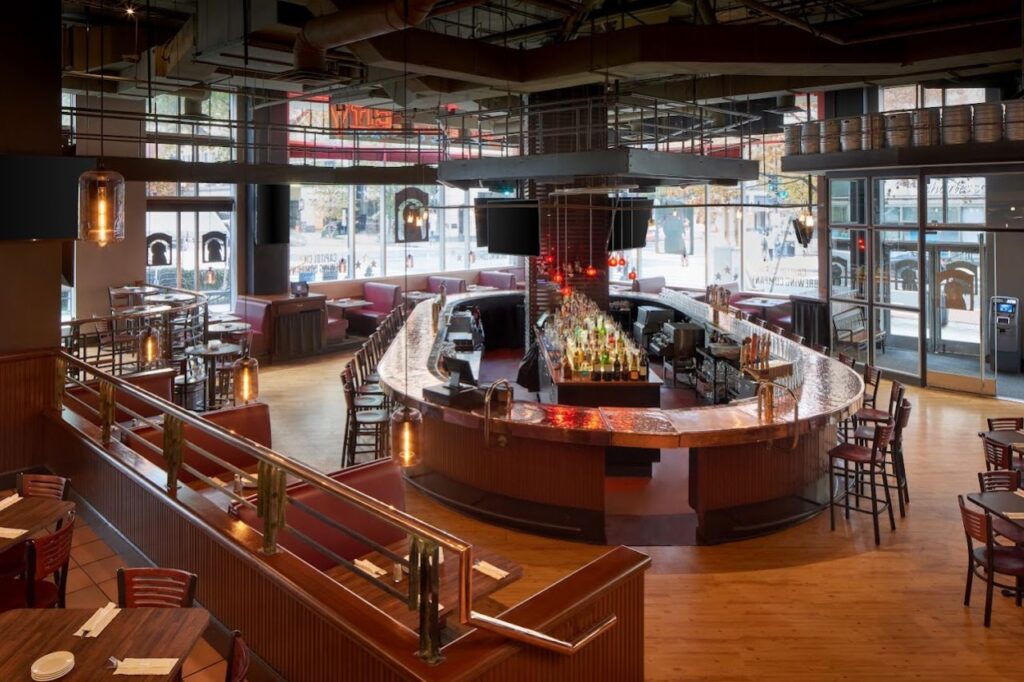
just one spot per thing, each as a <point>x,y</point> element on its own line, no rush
<point>828,391</point>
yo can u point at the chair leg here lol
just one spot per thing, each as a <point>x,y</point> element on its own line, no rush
<point>970,581</point>
<point>888,497</point>
<point>874,508</point>
<point>1020,590</point>
<point>989,580</point>
<point>846,489</point>
<point>831,493</point>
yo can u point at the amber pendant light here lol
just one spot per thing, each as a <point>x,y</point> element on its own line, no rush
<point>149,352</point>
<point>245,375</point>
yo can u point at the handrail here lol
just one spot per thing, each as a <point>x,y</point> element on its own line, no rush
<point>427,539</point>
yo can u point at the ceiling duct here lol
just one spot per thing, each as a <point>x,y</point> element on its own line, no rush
<point>359,20</point>
<point>785,104</point>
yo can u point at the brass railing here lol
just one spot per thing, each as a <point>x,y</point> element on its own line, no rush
<point>272,501</point>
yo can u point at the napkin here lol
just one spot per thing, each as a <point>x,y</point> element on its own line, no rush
<point>98,621</point>
<point>370,567</point>
<point>8,501</point>
<point>490,570</point>
<point>11,533</point>
<point>146,666</point>
<point>1019,492</point>
<point>1016,516</point>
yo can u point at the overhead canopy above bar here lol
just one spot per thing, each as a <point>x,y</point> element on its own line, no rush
<point>640,167</point>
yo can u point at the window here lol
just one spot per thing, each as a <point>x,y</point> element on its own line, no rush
<point>902,97</point>
<point>895,201</point>
<point>319,246</point>
<point>897,98</point>
<point>177,138</point>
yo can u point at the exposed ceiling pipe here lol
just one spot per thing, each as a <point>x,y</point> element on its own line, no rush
<point>792,21</point>
<point>360,20</point>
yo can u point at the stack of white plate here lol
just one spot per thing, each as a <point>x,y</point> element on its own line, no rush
<point>926,127</point>
<point>52,666</point>
<point>897,130</point>
<point>956,124</point>
<point>809,137</point>
<point>988,122</point>
<point>850,135</point>
<point>1013,126</point>
<point>792,140</point>
<point>873,126</point>
<point>829,135</point>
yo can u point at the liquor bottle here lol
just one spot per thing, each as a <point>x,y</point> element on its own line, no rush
<point>616,370</point>
<point>566,369</point>
<point>634,371</point>
<point>643,367</point>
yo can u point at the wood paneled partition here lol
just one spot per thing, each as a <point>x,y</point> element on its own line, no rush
<point>26,390</point>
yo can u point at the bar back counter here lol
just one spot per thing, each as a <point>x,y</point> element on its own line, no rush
<point>542,468</point>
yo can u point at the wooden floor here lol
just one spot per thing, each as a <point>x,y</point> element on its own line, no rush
<point>803,604</point>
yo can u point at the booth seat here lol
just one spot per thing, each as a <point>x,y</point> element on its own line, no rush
<point>381,479</point>
<point>337,326</point>
<point>251,421</point>
<point>497,279</point>
<point>256,312</point>
<point>383,298</point>
<point>649,285</point>
<point>159,382</point>
<point>454,285</point>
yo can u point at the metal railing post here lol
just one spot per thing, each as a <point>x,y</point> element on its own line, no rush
<point>107,408</point>
<point>423,595</point>
<point>271,501</point>
<point>59,377</point>
<point>174,439</point>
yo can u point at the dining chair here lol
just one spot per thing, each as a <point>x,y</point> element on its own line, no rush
<point>1005,423</point>
<point>997,455</point>
<point>12,560</point>
<point>238,659</point>
<point>869,466</point>
<point>45,557</point>
<point>155,588</point>
<point>1002,480</point>
<point>989,559</point>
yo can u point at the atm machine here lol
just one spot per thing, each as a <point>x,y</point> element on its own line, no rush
<point>1006,333</point>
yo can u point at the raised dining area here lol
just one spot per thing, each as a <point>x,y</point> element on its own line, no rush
<point>449,340</point>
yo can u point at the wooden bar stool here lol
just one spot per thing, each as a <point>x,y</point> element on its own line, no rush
<point>899,415</point>
<point>848,360</point>
<point>363,401</point>
<point>872,377</point>
<point>363,425</point>
<point>870,464</point>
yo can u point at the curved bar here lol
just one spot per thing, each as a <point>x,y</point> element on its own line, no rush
<point>734,453</point>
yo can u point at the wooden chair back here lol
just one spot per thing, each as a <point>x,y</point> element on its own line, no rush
<point>997,455</point>
<point>43,485</point>
<point>872,378</point>
<point>1005,423</point>
<point>999,480</point>
<point>155,588</point>
<point>977,525</point>
<point>49,556</point>
<point>883,434</point>
<point>848,360</point>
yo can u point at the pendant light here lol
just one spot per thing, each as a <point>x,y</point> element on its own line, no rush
<point>245,375</point>
<point>148,349</point>
<point>406,422</point>
<point>591,271</point>
<point>101,192</point>
<point>210,278</point>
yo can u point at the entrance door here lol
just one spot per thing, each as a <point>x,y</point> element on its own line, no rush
<point>959,273</point>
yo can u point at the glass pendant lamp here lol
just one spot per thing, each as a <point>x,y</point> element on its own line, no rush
<point>245,374</point>
<point>405,436</point>
<point>101,206</point>
<point>148,351</point>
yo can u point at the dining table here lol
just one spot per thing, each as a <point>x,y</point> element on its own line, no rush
<point>1004,504</point>
<point>30,514</point>
<point>28,634</point>
<point>220,328</point>
<point>170,298</point>
<point>1015,439</point>
<point>211,355</point>
<point>344,304</point>
<point>448,583</point>
<point>763,304</point>
<point>134,292</point>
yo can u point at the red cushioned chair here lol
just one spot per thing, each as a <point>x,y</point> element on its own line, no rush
<point>46,557</point>
<point>256,312</point>
<point>238,659</point>
<point>159,588</point>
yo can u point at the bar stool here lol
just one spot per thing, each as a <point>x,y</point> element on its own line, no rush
<point>870,463</point>
<point>872,377</point>
<point>818,348</point>
<point>362,426</point>
<point>777,329</point>
<point>363,401</point>
<point>848,360</point>
<point>899,413</point>
<point>795,338</point>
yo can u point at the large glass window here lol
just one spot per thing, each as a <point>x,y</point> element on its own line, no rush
<point>895,201</point>
<point>319,244</point>
<point>205,136</point>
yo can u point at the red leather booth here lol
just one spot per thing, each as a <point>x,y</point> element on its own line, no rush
<point>453,285</point>
<point>497,279</point>
<point>381,479</point>
<point>256,312</point>
<point>158,382</point>
<point>383,299</point>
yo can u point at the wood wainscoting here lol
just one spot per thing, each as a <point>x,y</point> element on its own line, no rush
<point>26,391</point>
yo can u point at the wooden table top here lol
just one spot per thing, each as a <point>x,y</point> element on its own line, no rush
<point>761,302</point>
<point>1001,504</point>
<point>228,327</point>
<point>31,514</point>
<point>347,303</point>
<point>204,350</point>
<point>170,298</point>
<point>448,594</point>
<point>27,634</point>
<point>1004,437</point>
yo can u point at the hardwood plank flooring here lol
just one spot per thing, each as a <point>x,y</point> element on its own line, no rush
<point>802,604</point>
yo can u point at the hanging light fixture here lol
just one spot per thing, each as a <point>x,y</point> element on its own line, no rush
<point>803,227</point>
<point>632,274</point>
<point>101,194</point>
<point>245,374</point>
<point>148,349</point>
<point>406,421</point>
<point>210,278</point>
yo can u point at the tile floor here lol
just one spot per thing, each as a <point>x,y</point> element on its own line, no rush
<point>92,582</point>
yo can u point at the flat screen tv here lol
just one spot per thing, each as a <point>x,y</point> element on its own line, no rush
<point>511,226</point>
<point>629,223</point>
<point>40,196</point>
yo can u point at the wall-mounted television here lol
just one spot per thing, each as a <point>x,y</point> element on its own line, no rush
<point>509,226</point>
<point>40,196</point>
<point>630,216</point>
